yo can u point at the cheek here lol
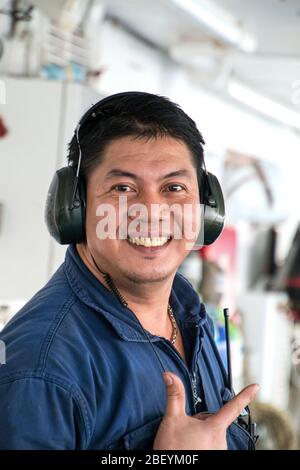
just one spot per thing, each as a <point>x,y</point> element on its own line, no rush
<point>101,220</point>
<point>188,221</point>
<point>192,226</point>
<point>90,221</point>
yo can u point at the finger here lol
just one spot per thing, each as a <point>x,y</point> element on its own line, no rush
<point>231,410</point>
<point>175,395</point>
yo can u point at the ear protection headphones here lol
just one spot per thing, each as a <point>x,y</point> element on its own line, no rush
<point>66,201</point>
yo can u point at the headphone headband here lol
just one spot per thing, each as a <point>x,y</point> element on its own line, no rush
<point>104,101</point>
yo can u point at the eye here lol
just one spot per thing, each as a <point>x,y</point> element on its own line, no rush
<point>175,188</point>
<point>122,188</point>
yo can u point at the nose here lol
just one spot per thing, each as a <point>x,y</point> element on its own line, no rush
<point>150,200</point>
<point>149,210</point>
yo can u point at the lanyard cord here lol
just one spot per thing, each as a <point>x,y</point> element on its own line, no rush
<point>123,302</point>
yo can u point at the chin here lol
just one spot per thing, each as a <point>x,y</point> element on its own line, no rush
<point>151,277</point>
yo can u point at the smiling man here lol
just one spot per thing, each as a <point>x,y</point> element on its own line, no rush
<point>86,355</point>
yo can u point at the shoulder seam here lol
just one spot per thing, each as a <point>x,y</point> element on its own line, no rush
<point>52,330</point>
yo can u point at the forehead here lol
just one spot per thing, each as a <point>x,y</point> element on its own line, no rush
<point>142,151</point>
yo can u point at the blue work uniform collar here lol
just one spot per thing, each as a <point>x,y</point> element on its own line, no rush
<point>183,299</point>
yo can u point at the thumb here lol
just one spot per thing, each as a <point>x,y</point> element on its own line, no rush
<point>175,395</point>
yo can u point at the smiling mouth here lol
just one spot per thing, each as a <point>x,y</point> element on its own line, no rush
<point>149,245</point>
<point>148,242</point>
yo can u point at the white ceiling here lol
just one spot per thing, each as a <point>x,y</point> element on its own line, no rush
<point>274,23</point>
<point>159,21</point>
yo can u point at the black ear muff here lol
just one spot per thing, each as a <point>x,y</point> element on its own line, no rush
<point>211,196</point>
<point>65,211</point>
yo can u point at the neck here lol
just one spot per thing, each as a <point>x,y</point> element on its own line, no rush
<point>148,301</point>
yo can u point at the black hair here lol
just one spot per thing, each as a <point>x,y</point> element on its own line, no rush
<point>136,114</point>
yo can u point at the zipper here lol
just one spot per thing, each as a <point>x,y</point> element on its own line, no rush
<point>191,374</point>
<point>192,383</point>
<point>197,399</point>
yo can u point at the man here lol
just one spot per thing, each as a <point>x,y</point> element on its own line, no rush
<point>85,355</point>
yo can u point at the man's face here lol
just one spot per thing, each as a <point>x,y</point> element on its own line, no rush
<point>157,172</point>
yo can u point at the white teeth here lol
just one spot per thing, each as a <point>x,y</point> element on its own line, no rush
<point>146,241</point>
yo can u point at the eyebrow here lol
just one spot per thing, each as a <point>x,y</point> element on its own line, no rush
<point>115,172</point>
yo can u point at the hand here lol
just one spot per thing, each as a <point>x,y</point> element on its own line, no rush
<point>178,431</point>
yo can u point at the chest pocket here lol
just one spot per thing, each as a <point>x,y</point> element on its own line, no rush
<point>141,438</point>
<point>238,438</point>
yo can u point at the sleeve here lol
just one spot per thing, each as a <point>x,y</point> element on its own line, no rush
<point>38,414</point>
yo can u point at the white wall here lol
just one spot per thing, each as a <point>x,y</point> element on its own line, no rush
<point>41,117</point>
<point>128,63</point>
<point>28,157</point>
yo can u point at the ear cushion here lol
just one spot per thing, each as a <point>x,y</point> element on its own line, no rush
<point>66,221</point>
<point>214,207</point>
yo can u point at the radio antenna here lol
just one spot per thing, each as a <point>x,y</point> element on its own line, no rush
<point>228,352</point>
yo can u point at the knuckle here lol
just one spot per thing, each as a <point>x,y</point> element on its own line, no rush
<point>174,393</point>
